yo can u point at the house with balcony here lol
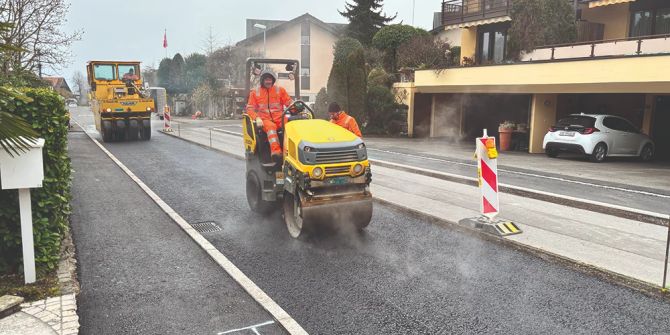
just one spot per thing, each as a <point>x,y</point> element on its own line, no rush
<point>619,65</point>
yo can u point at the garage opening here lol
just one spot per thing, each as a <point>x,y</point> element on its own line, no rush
<point>627,106</point>
<point>422,110</point>
<point>660,125</point>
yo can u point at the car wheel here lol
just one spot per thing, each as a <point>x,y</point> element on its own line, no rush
<point>553,153</point>
<point>647,153</point>
<point>599,153</point>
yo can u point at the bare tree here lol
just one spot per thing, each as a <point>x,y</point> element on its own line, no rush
<point>211,42</point>
<point>38,31</point>
<point>80,85</point>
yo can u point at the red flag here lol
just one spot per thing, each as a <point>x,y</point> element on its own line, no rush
<point>165,39</point>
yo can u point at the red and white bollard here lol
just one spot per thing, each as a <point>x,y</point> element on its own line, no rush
<point>487,167</point>
<point>167,119</point>
<point>489,204</point>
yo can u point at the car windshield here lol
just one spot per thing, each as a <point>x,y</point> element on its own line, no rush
<point>104,71</point>
<point>577,121</point>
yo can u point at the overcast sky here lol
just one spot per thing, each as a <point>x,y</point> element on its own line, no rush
<point>133,29</point>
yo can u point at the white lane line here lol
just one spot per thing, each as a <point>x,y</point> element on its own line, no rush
<point>287,322</point>
<point>530,174</point>
<point>253,328</point>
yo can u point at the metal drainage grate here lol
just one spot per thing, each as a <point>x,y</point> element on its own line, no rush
<point>206,227</point>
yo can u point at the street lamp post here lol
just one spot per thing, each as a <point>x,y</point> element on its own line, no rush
<point>264,27</point>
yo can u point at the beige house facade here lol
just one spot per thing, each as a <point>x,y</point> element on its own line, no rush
<point>306,39</point>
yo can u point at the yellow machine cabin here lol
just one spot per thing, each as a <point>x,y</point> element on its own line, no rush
<point>121,108</point>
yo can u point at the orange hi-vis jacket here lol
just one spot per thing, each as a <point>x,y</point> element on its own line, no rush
<point>347,122</point>
<point>268,103</point>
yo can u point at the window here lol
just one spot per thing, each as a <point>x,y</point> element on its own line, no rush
<point>577,121</point>
<point>650,21</point>
<point>619,124</point>
<point>128,70</point>
<point>104,71</point>
<point>305,49</point>
<point>491,44</point>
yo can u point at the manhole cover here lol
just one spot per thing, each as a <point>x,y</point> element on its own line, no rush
<point>206,227</point>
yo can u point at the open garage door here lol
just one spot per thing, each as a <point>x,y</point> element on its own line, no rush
<point>660,127</point>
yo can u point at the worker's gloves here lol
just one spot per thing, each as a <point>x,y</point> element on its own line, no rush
<point>259,122</point>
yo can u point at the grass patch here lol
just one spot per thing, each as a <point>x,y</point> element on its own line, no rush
<point>47,286</point>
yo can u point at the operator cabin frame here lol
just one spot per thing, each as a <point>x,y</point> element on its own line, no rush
<point>618,66</point>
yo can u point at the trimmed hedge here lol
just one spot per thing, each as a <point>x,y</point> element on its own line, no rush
<point>51,203</point>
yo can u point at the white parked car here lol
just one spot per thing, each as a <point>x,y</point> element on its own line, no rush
<point>597,136</point>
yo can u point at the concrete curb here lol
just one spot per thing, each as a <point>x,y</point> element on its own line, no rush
<point>607,275</point>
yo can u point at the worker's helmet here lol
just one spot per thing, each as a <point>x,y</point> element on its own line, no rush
<point>266,73</point>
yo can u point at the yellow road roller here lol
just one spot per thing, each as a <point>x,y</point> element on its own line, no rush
<point>324,177</point>
<point>121,108</point>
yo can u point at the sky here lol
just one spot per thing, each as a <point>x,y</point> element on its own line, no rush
<point>133,29</point>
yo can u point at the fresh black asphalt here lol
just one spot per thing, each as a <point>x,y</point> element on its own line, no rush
<point>139,272</point>
<point>404,275</point>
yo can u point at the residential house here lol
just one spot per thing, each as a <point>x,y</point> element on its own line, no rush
<point>619,65</point>
<point>59,85</point>
<point>304,38</point>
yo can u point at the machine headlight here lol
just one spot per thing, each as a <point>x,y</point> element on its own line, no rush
<point>358,168</point>
<point>308,149</point>
<point>148,109</point>
<point>317,172</point>
<point>109,110</point>
<point>361,146</point>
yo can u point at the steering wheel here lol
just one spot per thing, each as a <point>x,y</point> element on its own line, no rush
<point>299,110</point>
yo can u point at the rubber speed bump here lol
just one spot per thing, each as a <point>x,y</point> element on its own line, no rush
<point>507,228</point>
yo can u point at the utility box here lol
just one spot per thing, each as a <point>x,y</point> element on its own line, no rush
<point>25,170</point>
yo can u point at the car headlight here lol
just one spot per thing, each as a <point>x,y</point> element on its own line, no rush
<point>317,172</point>
<point>358,168</point>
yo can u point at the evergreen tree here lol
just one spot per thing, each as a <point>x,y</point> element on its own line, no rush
<point>347,84</point>
<point>365,19</point>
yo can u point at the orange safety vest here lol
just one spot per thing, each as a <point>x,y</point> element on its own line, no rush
<point>268,103</point>
<point>347,122</point>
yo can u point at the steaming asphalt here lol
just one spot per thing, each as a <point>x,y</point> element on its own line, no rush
<point>404,275</point>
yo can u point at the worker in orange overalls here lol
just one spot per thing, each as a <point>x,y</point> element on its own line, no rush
<point>340,117</point>
<point>265,106</point>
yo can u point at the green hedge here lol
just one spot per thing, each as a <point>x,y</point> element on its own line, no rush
<point>51,203</point>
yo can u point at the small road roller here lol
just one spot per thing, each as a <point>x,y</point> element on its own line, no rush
<point>324,177</point>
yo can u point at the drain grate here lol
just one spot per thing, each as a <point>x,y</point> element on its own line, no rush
<point>206,227</point>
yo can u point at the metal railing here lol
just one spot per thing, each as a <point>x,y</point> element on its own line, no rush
<point>638,46</point>
<point>461,11</point>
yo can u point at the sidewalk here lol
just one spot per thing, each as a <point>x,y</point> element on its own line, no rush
<point>609,244</point>
<point>139,271</point>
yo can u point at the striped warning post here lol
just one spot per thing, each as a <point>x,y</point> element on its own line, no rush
<point>167,119</point>
<point>487,166</point>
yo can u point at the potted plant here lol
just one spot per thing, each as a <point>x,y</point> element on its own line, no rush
<point>505,129</point>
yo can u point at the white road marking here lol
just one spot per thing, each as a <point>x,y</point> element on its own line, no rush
<point>253,328</point>
<point>531,174</point>
<point>287,322</point>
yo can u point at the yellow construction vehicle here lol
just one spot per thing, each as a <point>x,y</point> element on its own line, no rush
<point>324,177</point>
<point>121,108</point>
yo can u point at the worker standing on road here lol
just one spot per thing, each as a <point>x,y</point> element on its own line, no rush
<point>340,118</point>
<point>265,106</point>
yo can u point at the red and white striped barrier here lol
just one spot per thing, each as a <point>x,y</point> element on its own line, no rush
<point>487,167</point>
<point>167,119</point>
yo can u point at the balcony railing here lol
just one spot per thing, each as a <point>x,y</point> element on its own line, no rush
<point>639,46</point>
<point>462,11</point>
